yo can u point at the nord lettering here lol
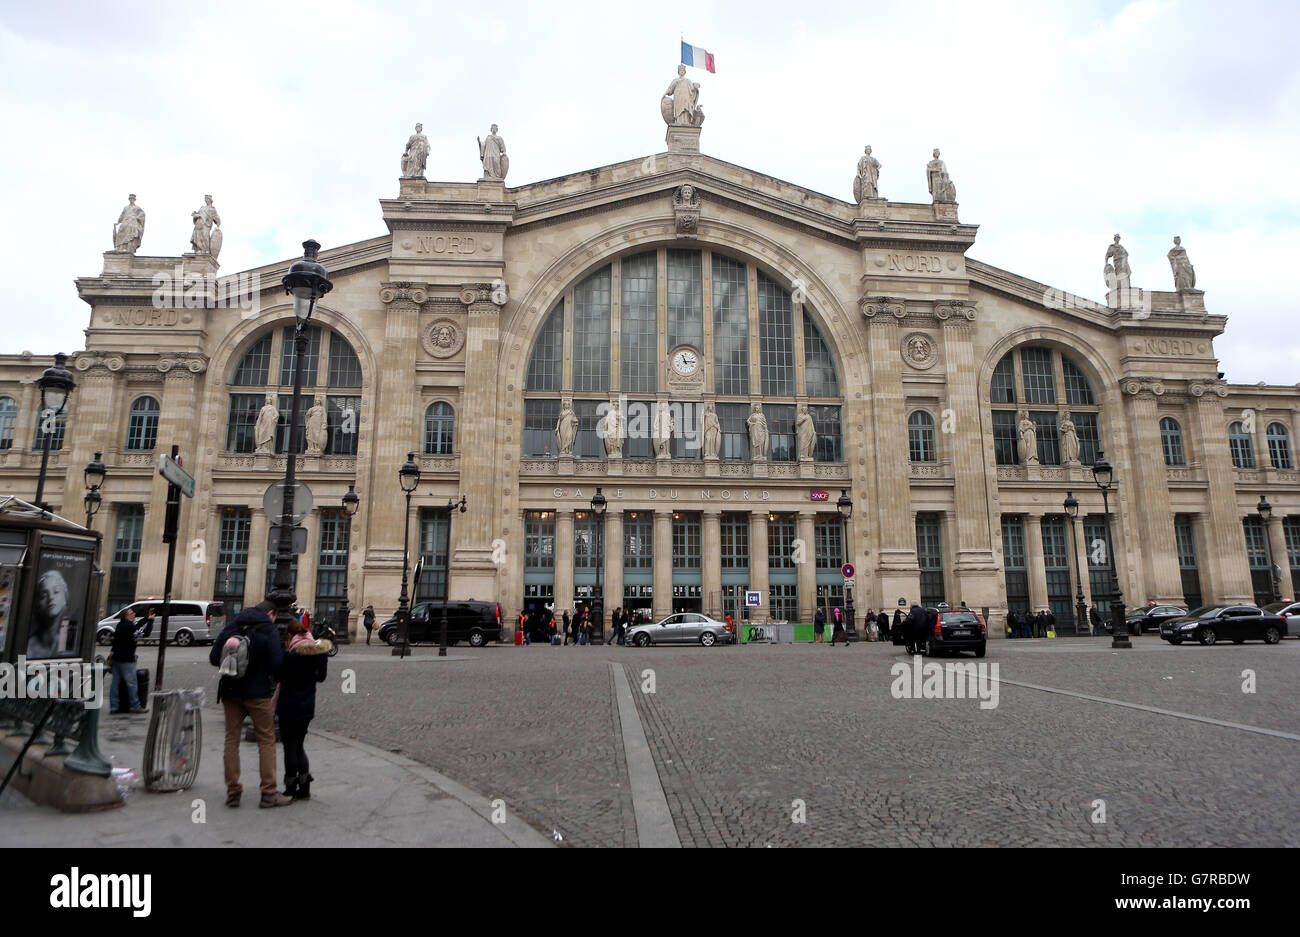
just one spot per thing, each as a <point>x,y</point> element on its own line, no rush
<point>1170,347</point>
<point>916,263</point>
<point>445,244</point>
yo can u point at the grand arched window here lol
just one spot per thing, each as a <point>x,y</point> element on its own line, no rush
<point>1239,442</point>
<point>920,436</point>
<point>8,419</point>
<point>331,371</point>
<point>1047,385</point>
<point>1279,446</point>
<point>439,429</point>
<point>1171,439</point>
<point>611,335</point>
<point>142,424</point>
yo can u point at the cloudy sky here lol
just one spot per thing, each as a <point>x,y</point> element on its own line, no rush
<point>1060,126</point>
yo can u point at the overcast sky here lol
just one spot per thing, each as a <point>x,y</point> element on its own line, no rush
<point>1060,126</point>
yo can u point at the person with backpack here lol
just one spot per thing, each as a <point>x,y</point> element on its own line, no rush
<point>368,621</point>
<point>249,655</point>
<point>305,662</point>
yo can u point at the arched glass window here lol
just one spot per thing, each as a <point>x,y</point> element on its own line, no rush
<point>1279,446</point>
<point>1003,388</point>
<point>639,317</point>
<point>1243,453</point>
<point>1035,369</point>
<point>920,436</point>
<point>544,368</point>
<point>1171,437</point>
<point>142,426</point>
<point>591,332</point>
<point>439,429</point>
<point>330,363</point>
<point>8,419</point>
<point>819,366</point>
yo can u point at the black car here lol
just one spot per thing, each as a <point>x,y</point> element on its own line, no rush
<point>1151,617</point>
<point>956,630</point>
<point>475,622</point>
<point>1214,623</point>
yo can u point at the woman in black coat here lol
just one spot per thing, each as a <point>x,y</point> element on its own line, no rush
<point>305,662</point>
<point>882,622</point>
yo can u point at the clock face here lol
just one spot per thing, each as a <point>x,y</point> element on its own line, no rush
<point>685,362</point>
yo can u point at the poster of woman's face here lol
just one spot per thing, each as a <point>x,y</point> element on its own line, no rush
<point>62,578</point>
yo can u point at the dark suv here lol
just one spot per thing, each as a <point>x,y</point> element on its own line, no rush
<point>956,630</point>
<point>475,622</point>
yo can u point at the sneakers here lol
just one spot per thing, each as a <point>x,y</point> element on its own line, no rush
<point>274,800</point>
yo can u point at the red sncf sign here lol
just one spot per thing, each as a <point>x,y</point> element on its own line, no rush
<point>818,495</point>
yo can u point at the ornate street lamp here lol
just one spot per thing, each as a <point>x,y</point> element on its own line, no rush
<point>56,386</point>
<point>408,476</point>
<point>1103,475</point>
<point>351,502</point>
<point>1080,610</point>
<point>845,506</point>
<point>599,505</point>
<point>307,282</point>
<point>1266,513</point>
<point>452,506</point>
<point>94,475</point>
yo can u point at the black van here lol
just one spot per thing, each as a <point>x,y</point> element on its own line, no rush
<point>475,622</point>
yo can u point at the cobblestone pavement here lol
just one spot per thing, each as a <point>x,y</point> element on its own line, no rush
<point>741,734</point>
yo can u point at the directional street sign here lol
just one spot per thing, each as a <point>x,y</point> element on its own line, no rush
<point>169,469</point>
<point>273,539</point>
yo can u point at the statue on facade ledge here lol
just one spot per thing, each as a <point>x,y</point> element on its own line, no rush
<point>566,430</point>
<point>712,433</point>
<point>492,153</point>
<point>416,154</point>
<point>1117,270</point>
<point>680,105</point>
<point>1184,273</point>
<point>611,430</point>
<point>129,228</point>
<point>758,434</point>
<point>1028,439</point>
<point>1069,440</point>
<point>207,236</point>
<point>664,426</point>
<point>315,431</point>
<point>941,186</point>
<point>268,418</point>
<point>806,433</point>
<point>866,182</point>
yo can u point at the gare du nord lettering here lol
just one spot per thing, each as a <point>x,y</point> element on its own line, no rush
<point>670,494</point>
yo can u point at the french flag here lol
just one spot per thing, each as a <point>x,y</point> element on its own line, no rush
<point>696,57</point>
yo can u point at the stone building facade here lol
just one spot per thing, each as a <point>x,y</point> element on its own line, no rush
<point>487,313</point>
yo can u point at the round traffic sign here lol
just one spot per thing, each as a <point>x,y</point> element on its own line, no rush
<point>273,501</point>
<point>847,570</point>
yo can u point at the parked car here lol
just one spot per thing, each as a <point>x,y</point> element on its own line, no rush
<point>682,628</point>
<point>475,622</point>
<point>1150,617</point>
<point>189,622</point>
<point>956,630</point>
<point>1235,623</point>
<point>1290,611</point>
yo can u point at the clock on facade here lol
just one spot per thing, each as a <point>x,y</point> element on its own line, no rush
<point>685,362</point>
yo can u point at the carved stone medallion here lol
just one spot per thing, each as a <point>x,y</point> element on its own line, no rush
<point>918,351</point>
<point>443,338</point>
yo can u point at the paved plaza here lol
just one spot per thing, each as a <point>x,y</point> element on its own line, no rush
<point>736,744</point>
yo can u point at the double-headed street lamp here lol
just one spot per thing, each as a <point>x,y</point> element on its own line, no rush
<point>599,505</point>
<point>1103,474</point>
<point>1080,610</point>
<point>845,506</point>
<point>1266,513</point>
<point>56,386</point>
<point>307,282</point>
<point>452,506</point>
<point>351,502</point>
<point>94,475</point>
<point>408,476</point>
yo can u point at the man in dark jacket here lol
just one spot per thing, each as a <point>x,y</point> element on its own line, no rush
<point>1095,617</point>
<point>250,696</point>
<point>1013,625</point>
<point>368,621</point>
<point>124,645</point>
<point>882,622</point>
<point>900,631</point>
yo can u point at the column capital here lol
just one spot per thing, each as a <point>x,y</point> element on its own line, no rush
<point>403,293</point>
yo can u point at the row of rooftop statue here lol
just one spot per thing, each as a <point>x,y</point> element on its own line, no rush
<point>680,107</point>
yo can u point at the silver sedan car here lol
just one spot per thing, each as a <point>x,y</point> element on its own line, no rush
<point>682,628</point>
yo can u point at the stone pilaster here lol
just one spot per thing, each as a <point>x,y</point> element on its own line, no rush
<point>1158,555</point>
<point>806,572</point>
<point>481,439</point>
<point>255,574</point>
<point>613,581</point>
<point>711,571</point>
<point>758,564</point>
<point>1225,565</point>
<point>176,426</point>
<point>564,560</point>
<point>1277,548</point>
<point>663,559</point>
<point>96,399</point>
<point>306,588</point>
<point>1034,562</point>
<point>898,572</point>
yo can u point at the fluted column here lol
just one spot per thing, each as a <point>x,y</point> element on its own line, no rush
<point>564,560</point>
<point>898,570</point>
<point>255,574</point>
<point>806,572</point>
<point>711,571</point>
<point>1034,562</point>
<point>1277,547</point>
<point>663,568</point>
<point>483,442</point>
<point>758,564</point>
<point>1225,565</point>
<point>1159,552</point>
<point>613,581</point>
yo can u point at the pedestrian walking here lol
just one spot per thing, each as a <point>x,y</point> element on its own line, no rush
<point>1013,624</point>
<point>819,627</point>
<point>1042,623</point>
<point>305,663</point>
<point>565,619</point>
<point>900,636</point>
<point>1051,623</point>
<point>914,628</point>
<point>368,620</point>
<point>250,656</point>
<point>584,627</point>
<point>123,666</point>
<point>837,626</point>
<point>1094,616</point>
<point>882,622</point>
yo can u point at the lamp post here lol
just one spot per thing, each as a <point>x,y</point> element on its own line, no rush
<point>845,506</point>
<point>452,506</point>
<point>94,475</point>
<point>307,282</point>
<point>1266,513</point>
<point>351,501</point>
<point>1080,610</point>
<point>408,476</point>
<point>1103,474</point>
<point>599,505</point>
<point>56,386</point>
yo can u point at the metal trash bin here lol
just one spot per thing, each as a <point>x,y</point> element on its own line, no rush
<point>175,740</point>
